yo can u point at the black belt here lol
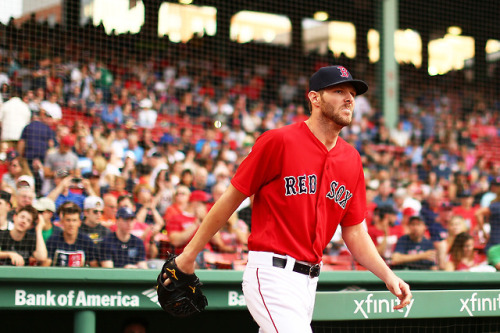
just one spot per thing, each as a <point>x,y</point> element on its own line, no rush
<point>311,270</point>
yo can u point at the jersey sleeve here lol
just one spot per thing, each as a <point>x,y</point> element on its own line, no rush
<point>262,164</point>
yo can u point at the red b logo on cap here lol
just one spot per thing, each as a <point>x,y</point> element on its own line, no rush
<point>343,71</point>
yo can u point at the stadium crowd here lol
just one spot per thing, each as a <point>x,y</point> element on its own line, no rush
<point>114,160</point>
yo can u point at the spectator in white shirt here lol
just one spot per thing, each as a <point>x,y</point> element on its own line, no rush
<point>14,116</point>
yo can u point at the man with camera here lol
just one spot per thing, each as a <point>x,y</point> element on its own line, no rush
<point>70,188</point>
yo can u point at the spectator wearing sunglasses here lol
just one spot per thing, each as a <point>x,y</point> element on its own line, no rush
<point>92,210</point>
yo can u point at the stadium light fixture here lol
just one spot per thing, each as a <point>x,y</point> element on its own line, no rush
<point>456,31</point>
<point>321,16</point>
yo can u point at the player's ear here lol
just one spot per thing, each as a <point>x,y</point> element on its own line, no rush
<point>313,97</point>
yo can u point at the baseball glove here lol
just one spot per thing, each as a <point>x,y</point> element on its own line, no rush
<point>182,297</point>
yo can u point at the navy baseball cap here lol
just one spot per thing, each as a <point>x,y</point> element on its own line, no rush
<point>12,155</point>
<point>332,75</point>
<point>125,213</point>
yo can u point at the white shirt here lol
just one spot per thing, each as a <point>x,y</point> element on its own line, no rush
<point>14,115</point>
<point>52,109</point>
<point>155,172</point>
<point>147,118</point>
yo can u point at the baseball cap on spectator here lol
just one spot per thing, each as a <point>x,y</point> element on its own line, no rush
<point>409,211</point>
<point>130,154</point>
<point>167,138</point>
<point>416,218</point>
<point>25,180</point>
<point>199,195</point>
<point>373,184</point>
<point>125,213</point>
<point>387,209</point>
<point>12,155</point>
<point>93,202</point>
<point>61,173</point>
<point>4,195</point>
<point>156,154</point>
<point>465,194</point>
<point>145,103</point>
<point>44,204</point>
<point>446,206</point>
<point>400,192</point>
<point>333,75</point>
<point>68,140</point>
<point>221,171</point>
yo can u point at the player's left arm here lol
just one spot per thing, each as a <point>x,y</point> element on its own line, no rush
<point>362,248</point>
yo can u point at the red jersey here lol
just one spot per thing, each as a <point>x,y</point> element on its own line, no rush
<point>302,191</point>
<point>377,235</point>
<point>180,222</point>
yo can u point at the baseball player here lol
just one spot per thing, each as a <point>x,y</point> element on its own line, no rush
<point>306,180</point>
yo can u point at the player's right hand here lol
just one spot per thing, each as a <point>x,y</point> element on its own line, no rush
<point>403,293</point>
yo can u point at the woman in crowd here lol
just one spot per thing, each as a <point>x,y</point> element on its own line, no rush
<point>17,167</point>
<point>463,257</point>
<point>455,226</point>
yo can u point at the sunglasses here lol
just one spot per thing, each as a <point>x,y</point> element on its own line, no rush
<point>97,211</point>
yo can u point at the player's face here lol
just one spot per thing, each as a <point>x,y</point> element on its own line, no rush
<point>337,103</point>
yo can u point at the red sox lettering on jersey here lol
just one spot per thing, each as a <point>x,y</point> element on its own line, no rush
<point>307,184</point>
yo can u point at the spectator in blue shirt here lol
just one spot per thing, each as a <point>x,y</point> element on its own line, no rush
<point>121,248</point>
<point>70,188</point>
<point>113,113</point>
<point>71,248</point>
<point>37,137</point>
<point>414,251</point>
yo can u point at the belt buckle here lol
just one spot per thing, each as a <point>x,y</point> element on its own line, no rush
<point>314,271</point>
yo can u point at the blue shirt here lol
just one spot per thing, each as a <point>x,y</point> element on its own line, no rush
<point>494,224</point>
<point>437,232</point>
<point>73,197</point>
<point>67,255</point>
<point>139,153</point>
<point>113,117</point>
<point>128,253</point>
<point>406,246</point>
<point>36,136</point>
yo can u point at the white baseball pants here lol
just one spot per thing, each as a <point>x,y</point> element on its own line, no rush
<point>279,299</point>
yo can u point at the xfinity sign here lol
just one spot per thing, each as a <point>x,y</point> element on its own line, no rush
<point>369,306</point>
